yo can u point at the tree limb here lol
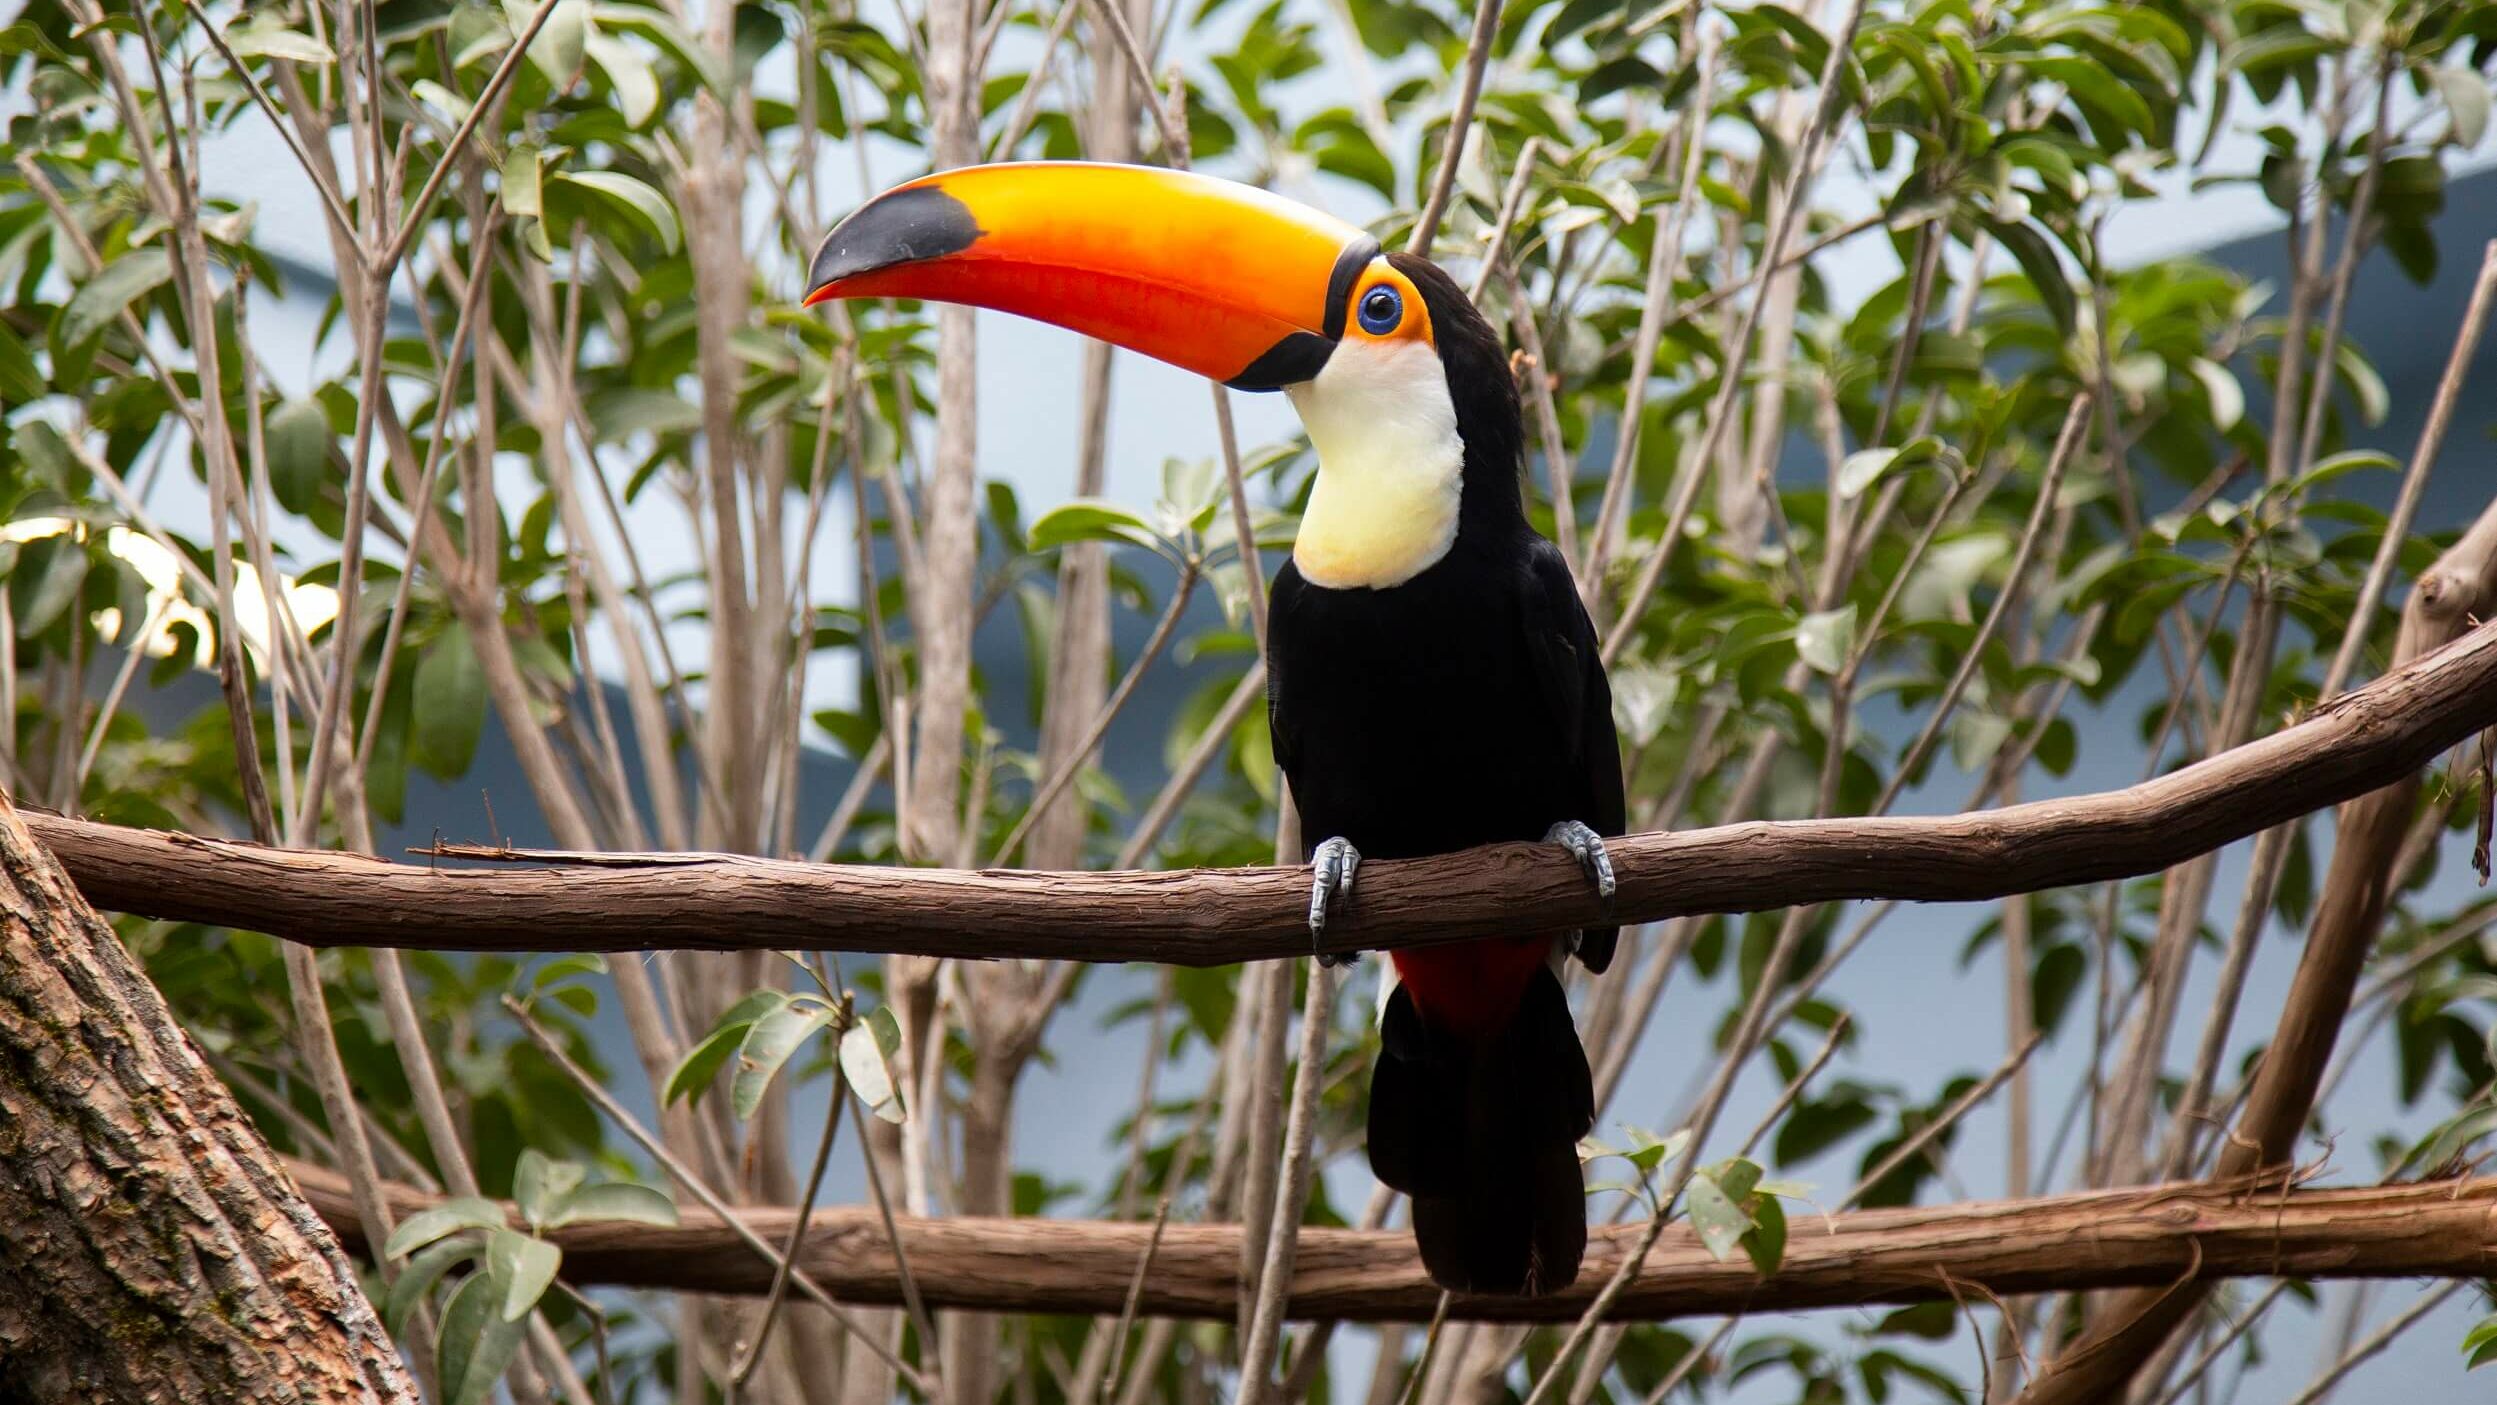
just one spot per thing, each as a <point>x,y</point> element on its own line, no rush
<point>2091,1239</point>
<point>2360,742</point>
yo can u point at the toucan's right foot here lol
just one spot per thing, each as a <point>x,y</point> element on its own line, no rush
<point>1335,862</point>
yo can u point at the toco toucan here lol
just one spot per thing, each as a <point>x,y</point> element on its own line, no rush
<point>1434,683</point>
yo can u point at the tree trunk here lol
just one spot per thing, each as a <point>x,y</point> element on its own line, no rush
<point>155,1248</point>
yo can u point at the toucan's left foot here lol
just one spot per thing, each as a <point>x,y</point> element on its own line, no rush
<point>1336,861</point>
<point>1587,847</point>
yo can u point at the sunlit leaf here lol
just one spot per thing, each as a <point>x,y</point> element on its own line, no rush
<point>2466,103</point>
<point>867,1050</point>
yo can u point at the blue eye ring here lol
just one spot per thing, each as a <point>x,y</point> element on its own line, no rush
<point>1382,310</point>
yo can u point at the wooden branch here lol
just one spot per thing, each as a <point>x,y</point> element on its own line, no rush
<point>153,1250</point>
<point>2349,911</point>
<point>2094,1239</point>
<point>2360,742</point>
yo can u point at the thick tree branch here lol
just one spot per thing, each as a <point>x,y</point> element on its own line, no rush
<point>2359,742</point>
<point>2093,1239</point>
<point>2349,911</point>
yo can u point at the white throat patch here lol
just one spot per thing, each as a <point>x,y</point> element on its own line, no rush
<point>1390,466</point>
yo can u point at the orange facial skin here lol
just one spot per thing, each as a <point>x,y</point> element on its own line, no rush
<point>1231,282</point>
<point>1415,323</point>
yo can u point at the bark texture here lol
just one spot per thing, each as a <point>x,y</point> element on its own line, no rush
<point>2357,743</point>
<point>2136,1237</point>
<point>152,1247</point>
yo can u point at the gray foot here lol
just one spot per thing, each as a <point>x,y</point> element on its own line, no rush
<point>1335,862</point>
<point>1587,847</point>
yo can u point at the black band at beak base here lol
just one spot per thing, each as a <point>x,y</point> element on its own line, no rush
<point>1298,357</point>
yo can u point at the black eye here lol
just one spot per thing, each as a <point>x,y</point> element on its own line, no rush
<point>1381,309</point>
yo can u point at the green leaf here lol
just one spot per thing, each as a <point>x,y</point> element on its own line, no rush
<point>768,1045</point>
<point>1975,737</point>
<point>1092,520</point>
<point>109,293</point>
<point>2466,103</point>
<point>449,1217</point>
<point>478,1342</point>
<point>703,1063</point>
<point>524,182</point>
<point>2277,47</point>
<point>2219,385</point>
<point>580,963</point>
<point>49,459</point>
<point>621,413</point>
<point>20,382</point>
<point>298,438</point>
<point>2374,401</point>
<point>613,1200</point>
<point>1719,1221</point>
<point>53,589</point>
<point>451,105</point>
<point>2479,1345</point>
<point>1649,1151</point>
<point>2346,462</point>
<point>2037,258</point>
<point>867,1050</point>
<point>560,42</point>
<point>450,705</point>
<point>633,195</point>
<point>1862,469</point>
<point>1766,1243</point>
<point>1825,639</point>
<point>637,88</point>
<point>522,1266</point>
<point>539,1182</point>
<point>418,1278</point>
<point>264,37</point>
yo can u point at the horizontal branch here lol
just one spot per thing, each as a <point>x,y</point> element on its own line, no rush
<point>2357,743</point>
<point>2136,1237</point>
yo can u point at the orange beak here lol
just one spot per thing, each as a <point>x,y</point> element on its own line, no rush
<point>1228,281</point>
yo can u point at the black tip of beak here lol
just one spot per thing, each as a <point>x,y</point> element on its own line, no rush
<point>907,226</point>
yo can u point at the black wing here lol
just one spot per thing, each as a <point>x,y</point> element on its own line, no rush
<point>1569,665</point>
<point>1282,731</point>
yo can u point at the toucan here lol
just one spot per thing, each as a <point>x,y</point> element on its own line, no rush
<point>1433,681</point>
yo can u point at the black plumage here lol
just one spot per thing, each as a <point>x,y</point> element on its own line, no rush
<point>1464,706</point>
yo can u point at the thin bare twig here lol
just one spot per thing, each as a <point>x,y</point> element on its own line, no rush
<point>1460,126</point>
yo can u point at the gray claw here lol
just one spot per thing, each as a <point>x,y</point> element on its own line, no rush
<point>1587,847</point>
<point>1335,862</point>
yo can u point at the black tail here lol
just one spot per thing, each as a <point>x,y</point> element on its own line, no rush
<point>1483,1134</point>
